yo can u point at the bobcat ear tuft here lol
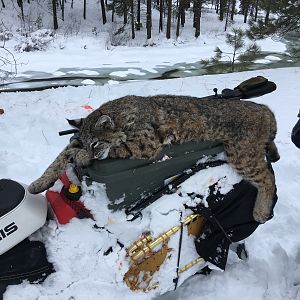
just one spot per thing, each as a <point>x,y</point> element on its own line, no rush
<point>76,123</point>
<point>104,121</point>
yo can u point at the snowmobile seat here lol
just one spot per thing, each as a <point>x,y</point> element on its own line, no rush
<point>21,213</point>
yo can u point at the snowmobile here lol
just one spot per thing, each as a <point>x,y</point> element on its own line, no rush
<point>176,230</point>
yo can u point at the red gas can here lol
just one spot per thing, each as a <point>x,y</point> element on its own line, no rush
<point>66,204</point>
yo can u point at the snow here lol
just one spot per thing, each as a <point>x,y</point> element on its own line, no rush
<point>29,142</point>
<point>125,73</point>
<point>88,81</point>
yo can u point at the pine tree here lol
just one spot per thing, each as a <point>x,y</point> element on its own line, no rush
<point>240,55</point>
<point>287,18</point>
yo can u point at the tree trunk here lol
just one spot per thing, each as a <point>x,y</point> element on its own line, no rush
<point>256,11</point>
<point>267,15</point>
<point>55,23</point>
<point>63,10</point>
<point>132,20</point>
<point>84,9</point>
<point>139,15</point>
<point>149,21</point>
<point>178,18</point>
<point>3,5</point>
<point>113,11</point>
<point>103,11</point>
<point>246,11</point>
<point>227,13</point>
<point>197,16</point>
<point>169,19</point>
<point>161,8</point>
<point>72,3</point>
<point>20,4</point>
<point>125,12</point>
<point>183,7</point>
<point>232,9</point>
<point>222,8</point>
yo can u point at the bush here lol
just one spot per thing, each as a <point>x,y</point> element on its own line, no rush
<point>5,34</point>
<point>36,41</point>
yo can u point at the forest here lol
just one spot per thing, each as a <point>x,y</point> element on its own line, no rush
<point>266,17</point>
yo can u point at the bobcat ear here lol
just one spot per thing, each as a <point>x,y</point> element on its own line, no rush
<point>104,121</point>
<point>76,123</point>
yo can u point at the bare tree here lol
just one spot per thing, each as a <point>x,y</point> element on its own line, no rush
<point>8,64</point>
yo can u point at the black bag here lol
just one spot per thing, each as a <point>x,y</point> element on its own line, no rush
<point>253,87</point>
<point>26,261</point>
<point>230,220</point>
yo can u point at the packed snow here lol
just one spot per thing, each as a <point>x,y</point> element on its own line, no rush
<point>29,142</point>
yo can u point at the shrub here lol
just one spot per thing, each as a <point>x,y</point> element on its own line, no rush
<point>36,41</point>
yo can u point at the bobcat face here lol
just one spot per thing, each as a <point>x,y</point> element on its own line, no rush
<point>100,136</point>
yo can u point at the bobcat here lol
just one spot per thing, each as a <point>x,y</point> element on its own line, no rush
<point>138,127</point>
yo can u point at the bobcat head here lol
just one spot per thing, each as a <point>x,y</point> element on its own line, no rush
<point>98,134</point>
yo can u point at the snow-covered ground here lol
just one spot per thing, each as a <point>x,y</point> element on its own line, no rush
<point>75,46</point>
<point>29,142</point>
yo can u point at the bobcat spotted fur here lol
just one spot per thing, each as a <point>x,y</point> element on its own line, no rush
<point>138,127</point>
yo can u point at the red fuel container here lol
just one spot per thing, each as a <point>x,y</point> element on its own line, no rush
<point>66,204</point>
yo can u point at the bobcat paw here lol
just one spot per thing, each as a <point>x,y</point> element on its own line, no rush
<point>260,217</point>
<point>82,158</point>
<point>34,189</point>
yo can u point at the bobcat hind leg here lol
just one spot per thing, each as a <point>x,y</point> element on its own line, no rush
<point>252,166</point>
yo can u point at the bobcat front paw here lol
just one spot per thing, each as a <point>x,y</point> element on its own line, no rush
<point>36,188</point>
<point>261,216</point>
<point>82,158</point>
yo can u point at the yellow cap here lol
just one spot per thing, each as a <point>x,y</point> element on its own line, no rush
<point>73,188</point>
